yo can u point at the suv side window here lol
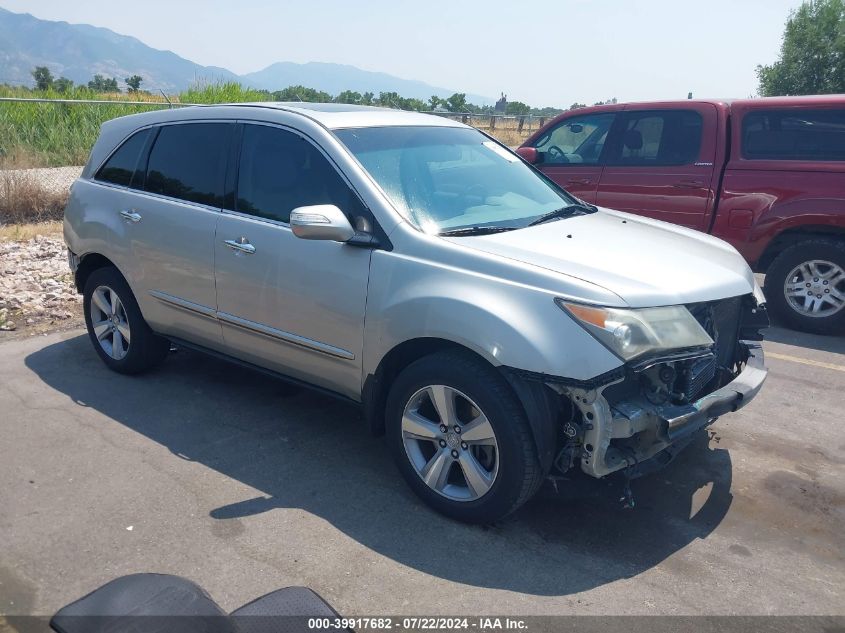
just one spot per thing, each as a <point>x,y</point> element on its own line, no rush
<point>578,140</point>
<point>794,135</point>
<point>123,167</point>
<point>280,171</point>
<point>658,138</point>
<point>188,161</point>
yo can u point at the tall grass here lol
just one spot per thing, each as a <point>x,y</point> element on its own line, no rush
<point>54,134</point>
<point>58,134</point>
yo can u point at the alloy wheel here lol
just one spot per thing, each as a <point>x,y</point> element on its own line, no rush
<point>109,322</point>
<point>816,288</point>
<point>450,443</point>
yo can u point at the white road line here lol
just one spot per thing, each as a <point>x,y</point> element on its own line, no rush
<point>805,361</point>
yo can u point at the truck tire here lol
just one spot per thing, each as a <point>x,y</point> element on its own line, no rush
<point>461,438</point>
<point>805,286</point>
<point>118,331</point>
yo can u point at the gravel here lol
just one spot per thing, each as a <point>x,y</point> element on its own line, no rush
<point>36,285</point>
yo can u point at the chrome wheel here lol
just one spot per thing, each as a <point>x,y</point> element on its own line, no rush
<point>450,443</point>
<point>815,288</point>
<point>109,322</point>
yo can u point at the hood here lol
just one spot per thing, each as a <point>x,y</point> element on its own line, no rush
<point>643,261</point>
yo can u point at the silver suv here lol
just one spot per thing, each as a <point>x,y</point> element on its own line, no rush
<point>497,329</point>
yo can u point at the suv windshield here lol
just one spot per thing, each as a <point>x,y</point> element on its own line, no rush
<point>445,179</point>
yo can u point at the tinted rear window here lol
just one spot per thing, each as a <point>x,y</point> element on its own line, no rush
<point>123,166</point>
<point>188,161</point>
<point>794,135</point>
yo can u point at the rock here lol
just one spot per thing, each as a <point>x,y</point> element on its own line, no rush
<point>8,326</point>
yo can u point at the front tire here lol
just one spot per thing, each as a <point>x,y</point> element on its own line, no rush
<point>805,286</point>
<point>461,439</point>
<point>118,331</point>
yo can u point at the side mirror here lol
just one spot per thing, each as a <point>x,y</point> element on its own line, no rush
<point>530,154</point>
<point>321,222</point>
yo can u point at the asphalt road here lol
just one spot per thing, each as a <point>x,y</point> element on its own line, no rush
<point>245,485</point>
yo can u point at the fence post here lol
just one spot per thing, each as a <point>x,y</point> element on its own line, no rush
<point>492,122</point>
<point>521,124</point>
<point>542,121</point>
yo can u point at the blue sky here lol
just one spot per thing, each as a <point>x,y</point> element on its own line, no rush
<point>542,52</point>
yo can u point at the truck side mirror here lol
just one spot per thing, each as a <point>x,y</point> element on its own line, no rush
<point>530,154</point>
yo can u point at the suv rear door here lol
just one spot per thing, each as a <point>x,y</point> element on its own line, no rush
<point>660,162</point>
<point>292,305</point>
<point>168,214</point>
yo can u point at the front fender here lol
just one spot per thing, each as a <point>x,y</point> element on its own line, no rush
<point>507,323</point>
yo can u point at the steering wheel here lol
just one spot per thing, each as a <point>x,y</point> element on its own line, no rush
<point>557,154</point>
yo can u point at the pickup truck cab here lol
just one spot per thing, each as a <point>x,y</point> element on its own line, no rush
<point>766,175</point>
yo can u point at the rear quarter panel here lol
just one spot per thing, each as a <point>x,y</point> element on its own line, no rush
<point>762,199</point>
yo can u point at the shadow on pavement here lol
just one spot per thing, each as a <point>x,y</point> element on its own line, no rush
<point>303,450</point>
<point>832,344</point>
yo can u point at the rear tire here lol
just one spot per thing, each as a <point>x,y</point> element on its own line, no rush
<point>118,331</point>
<point>485,465</point>
<point>805,286</point>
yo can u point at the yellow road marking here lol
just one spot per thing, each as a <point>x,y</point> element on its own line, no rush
<point>805,361</point>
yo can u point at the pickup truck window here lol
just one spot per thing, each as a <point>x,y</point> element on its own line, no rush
<point>657,138</point>
<point>794,135</point>
<point>577,141</point>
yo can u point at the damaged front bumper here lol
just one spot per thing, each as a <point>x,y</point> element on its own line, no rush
<point>619,432</point>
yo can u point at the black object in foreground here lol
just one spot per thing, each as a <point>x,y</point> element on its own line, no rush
<point>162,603</point>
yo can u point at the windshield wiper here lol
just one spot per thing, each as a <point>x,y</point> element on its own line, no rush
<point>476,230</point>
<point>563,212</point>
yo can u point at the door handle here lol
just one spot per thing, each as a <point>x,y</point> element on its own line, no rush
<point>689,184</point>
<point>131,215</point>
<point>579,181</point>
<point>241,245</point>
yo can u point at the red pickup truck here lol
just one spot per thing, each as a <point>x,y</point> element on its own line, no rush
<point>766,175</point>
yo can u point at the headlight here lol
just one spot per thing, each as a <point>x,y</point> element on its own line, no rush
<point>631,333</point>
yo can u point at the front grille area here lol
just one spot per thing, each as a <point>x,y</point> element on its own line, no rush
<point>696,377</point>
<point>721,319</point>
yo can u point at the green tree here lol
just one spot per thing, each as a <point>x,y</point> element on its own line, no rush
<point>63,85</point>
<point>517,107</point>
<point>457,102</point>
<point>576,106</point>
<point>100,84</point>
<point>367,98</point>
<point>812,55</point>
<point>43,78</point>
<point>434,101</point>
<point>349,96</point>
<point>133,83</point>
<point>301,93</point>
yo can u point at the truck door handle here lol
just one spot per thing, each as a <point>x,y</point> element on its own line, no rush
<point>689,184</point>
<point>579,181</point>
<point>131,215</point>
<point>241,245</point>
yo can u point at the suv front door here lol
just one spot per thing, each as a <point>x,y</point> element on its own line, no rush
<point>292,305</point>
<point>660,163</point>
<point>570,153</point>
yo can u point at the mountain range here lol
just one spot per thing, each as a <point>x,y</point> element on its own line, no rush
<point>79,51</point>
